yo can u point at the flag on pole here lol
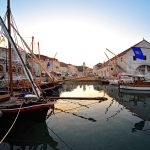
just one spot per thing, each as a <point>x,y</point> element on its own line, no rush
<point>138,53</point>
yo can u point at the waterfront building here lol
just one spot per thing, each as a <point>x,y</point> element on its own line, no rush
<point>52,65</point>
<point>17,70</point>
<point>96,68</point>
<point>72,70</point>
<point>126,62</point>
<point>63,68</point>
<point>88,71</point>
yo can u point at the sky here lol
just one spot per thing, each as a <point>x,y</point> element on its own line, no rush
<point>77,31</point>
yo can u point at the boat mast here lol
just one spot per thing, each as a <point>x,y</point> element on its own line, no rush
<point>9,49</point>
<point>40,61</point>
<point>26,70</point>
<point>115,61</point>
<point>32,68</point>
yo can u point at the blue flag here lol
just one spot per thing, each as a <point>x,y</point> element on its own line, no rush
<point>138,53</point>
<point>48,64</point>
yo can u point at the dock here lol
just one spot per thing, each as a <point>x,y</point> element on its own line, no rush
<point>79,98</point>
<point>84,79</point>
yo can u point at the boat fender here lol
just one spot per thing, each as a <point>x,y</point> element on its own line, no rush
<point>29,95</point>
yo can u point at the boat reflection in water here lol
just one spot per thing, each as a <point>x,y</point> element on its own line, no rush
<point>112,124</point>
<point>27,134</point>
<point>137,103</point>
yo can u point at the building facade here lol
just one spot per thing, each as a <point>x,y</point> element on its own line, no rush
<point>17,69</point>
<point>126,62</point>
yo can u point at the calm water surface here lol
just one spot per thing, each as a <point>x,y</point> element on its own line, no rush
<point>120,123</point>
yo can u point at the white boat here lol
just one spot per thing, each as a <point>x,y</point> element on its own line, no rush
<point>139,84</point>
<point>113,82</point>
<point>122,79</point>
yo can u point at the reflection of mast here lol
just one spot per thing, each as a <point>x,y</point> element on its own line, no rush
<point>112,101</point>
<point>9,49</point>
<point>86,118</point>
<point>77,103</point>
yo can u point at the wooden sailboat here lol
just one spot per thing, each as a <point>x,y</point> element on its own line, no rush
<point>48,88</point>
<point>23,85</point>
<point>25,106</point>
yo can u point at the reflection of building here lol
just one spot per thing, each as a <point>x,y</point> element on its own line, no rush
<point>138,104</point>
<point>97,87</point>
<point>69,86</point>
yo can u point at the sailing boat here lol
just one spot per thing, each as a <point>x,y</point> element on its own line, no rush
<point>26,106</point>
<point>47,88</point>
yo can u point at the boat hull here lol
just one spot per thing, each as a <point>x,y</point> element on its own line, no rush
<point>35,112</point>
<point>134,89</point>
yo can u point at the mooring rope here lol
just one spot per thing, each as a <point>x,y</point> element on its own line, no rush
<point>12,124</point>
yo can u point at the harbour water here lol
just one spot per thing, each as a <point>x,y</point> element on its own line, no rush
<point>121,122</point>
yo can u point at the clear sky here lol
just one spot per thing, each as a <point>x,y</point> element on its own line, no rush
<point>81,30</point>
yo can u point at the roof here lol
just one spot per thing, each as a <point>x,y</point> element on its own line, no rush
<point>98,65</point>
<point>62,64</point>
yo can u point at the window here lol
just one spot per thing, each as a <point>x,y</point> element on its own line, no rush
<point>19,70</point>
<point>134,58</point>
<point>14,69</point>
